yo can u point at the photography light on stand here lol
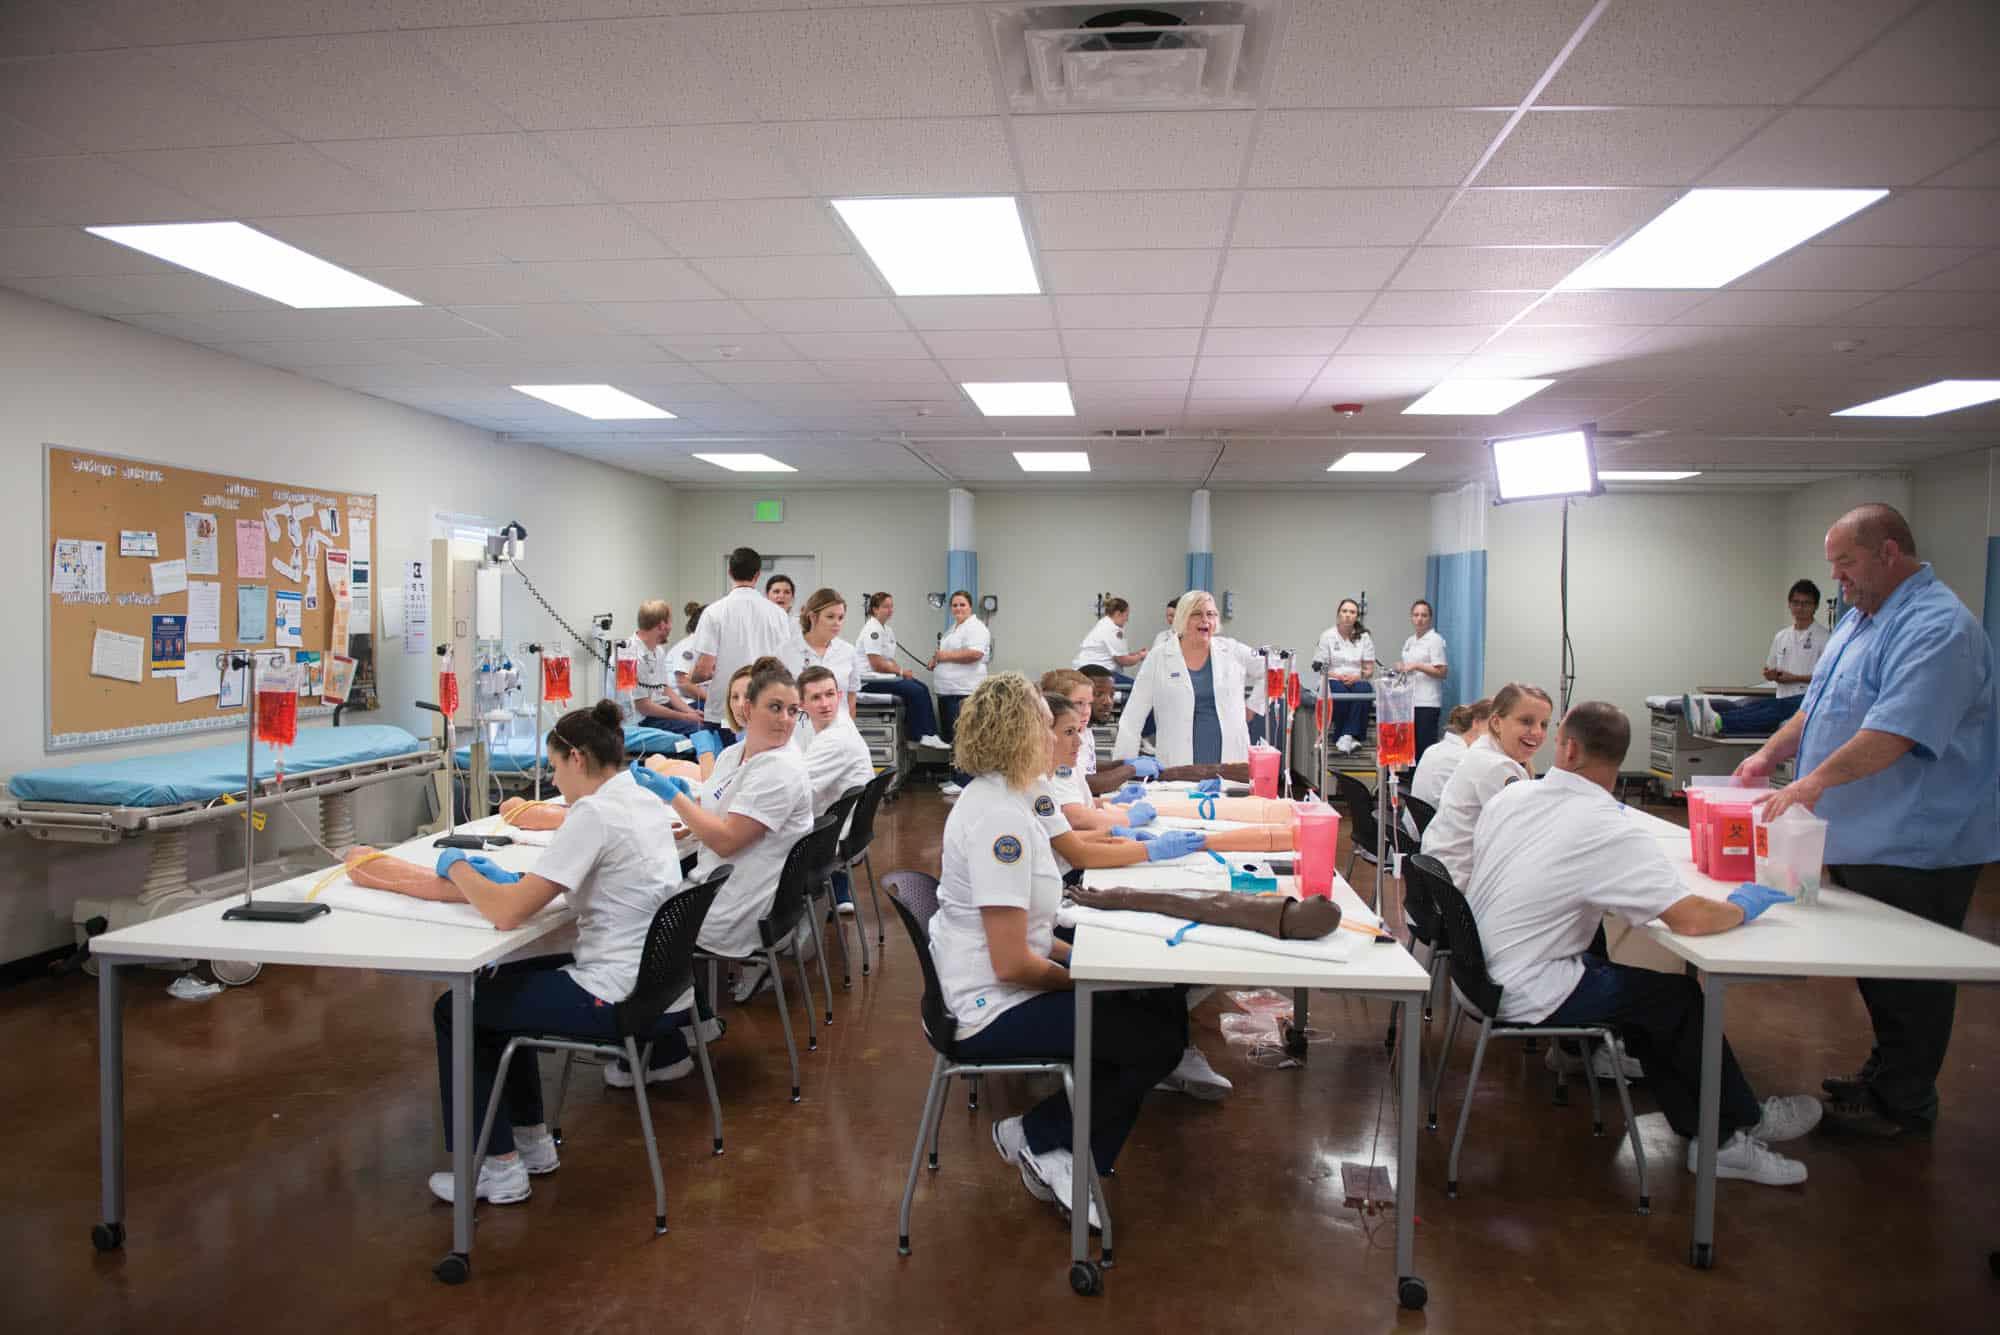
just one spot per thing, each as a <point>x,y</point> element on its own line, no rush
<point>1550,465</point>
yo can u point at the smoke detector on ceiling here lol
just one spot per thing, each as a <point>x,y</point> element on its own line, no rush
<point>1347,409</point>
<point>1098,57</point>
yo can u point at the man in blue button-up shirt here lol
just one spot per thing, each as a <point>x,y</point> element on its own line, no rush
<point>1898,746</point>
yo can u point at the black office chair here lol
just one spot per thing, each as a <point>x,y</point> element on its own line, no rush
<point>666,972</point>
<point>1475,993</point>
<point>1421,812</point>
<point>821,888</point>
<point>914,895</point>
<point>854,854</point>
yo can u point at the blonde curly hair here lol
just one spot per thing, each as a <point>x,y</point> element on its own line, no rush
<point>1003,730</point>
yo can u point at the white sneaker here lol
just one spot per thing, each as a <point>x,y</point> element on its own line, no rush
<point>619,1076</point>
<point>1787,1117</point>
<point>1346,744</point>
<point>1752,1160</point>
<point>501,1181</point>
<point>755,978</point>
<point>1570,1063</point>
<point>949,789</point>
<point>1196,1078</point>
<point>713,1028</point>
<point>537,1149</point>
<point>845,908</point>
<point>1010,1139</point>
<point>1057,1168</point>
<point>1032,1175</point>
<point>935,742</point>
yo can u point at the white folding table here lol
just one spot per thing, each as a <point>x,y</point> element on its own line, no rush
<point>1844,935</point>
<point>340,939</point>
<point>1103,960</point>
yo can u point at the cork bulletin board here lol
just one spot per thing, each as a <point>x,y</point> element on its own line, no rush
<point>170,566</point>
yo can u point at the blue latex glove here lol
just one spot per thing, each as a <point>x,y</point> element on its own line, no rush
<point>492,870</point>
<point>1209,786</point>
<point>1753,898</point>
<point>448,859</point>
<point>1171,844</point>
<point>662,786</point>
<point>1127,832</point>
<point>1140,813</point>
<point>1146,767</point>
<point>1130,792</point>
<point>706,743</point>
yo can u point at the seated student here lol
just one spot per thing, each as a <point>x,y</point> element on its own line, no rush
<point>1347,652</point>
<point>615,859</point>
<point>1497,757</point>
<point>657,704</point>
<point>836,754</point>
<point>1435,768</point>
<point>883,675</point>
<point>1104,645</point>
<point>999,962</point>
<point>1550,860</point>
<point>1795,652</point>
<point>818,644</point>
<point>1080,689</point>
<point>681,658</point>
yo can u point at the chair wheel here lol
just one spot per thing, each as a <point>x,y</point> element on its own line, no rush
<point>555,1134</point>
<point>1431,1124</point>
<point>1701,1255</point>
<point>795,1093</point>
<point>812,1043</point>
<point>107,1237</point>
<point>1411,1293</point>
<point>1084,1279</point>
<point>1451,1189</point>
<point>933,1162</point>
<point>1645,1205</point>
<point>659,1225</point>
<point>455,1268</point>
<point>903,1244</point>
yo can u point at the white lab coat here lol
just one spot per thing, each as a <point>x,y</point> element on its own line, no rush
<point>1163,689</point>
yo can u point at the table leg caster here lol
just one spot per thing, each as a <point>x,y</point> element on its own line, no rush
<point>456,1268</point>
<point>1084,1279</point>
<point>1411,1293</point>
<point>107,1237</point>
<point>1701,1255</point>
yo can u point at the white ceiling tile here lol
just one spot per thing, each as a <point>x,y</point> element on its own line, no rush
<point>1489,268</point>
<point>1447,308</point>
<point>595,75</point>
<point>159,22</point>
<point>594,350</point>
<point>892,157</point>
<point>1384,340</point>
<point>745,227</point>
<point>1491,217</point>
<point>1118,220</point>
<point>1130,368</point>
<point>623,280</point>
<point>1370,148</point>
<point>1254,309</point>
<point>795,277</point>
<point>370,239</point>
<point>977,369</point>
<point>1335,217</point>
<point>1093,271</point>
<point>1924,218</point>
<point>1645,308</point>
<point>48,29</point>
<point>1561,340</point>
<point>978,312</point>
<point>1756,307</point>
<point>1853,268</point>
<point>679,162</point>
<point>1275,393</point>
<point>89,190</point>
<point>855,314</point>
<point>1154,311</point>
<point>1335,269</point>
<point>1122,342</point>
<point>18,139</point>
<point>400,322</point>
<point>572,232</point>
<point>49,251</point>
<point>267,179</point>
<point>972,343</point>
<point>727,345</point>
<point>193,328</point>
<point>679,317</point>
<point>115,101</point>
<point>1710,51</point>
<point>1980,275</point>
<point>1982,168</point>
<point>549,320</point>
<point>885,377</point>
<point>1272,342</point>
<point>1874,148</point>
<point>1941,56</point>
<point>897,344</point>
<point>1300,369</point>
<point>1157,150</point>
<point>470,284</point>
<point>127,294</point>
<point>1927,308</point>
<point>300,355</point>
<point>354,86</point>
<point>464,171</point>
<point>859,63</point>
<point>1660,146</point>
<point>1420,52</point>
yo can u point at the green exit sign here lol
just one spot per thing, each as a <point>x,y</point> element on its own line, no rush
<point>768,512</point>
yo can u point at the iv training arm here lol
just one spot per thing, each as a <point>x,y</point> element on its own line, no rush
<point>1114,777</point>
<point>372,870</point>
<point>525,815</point>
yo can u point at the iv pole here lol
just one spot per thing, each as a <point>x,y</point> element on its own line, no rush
<point>290,911</point>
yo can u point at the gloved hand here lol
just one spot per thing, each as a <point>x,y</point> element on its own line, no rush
<point>1130,792</point>
<point>1209,786</point>
<point>448,859</point>
<point>1171,844</point>
<point>1753,898</point>
<point>491,870</point>
<point>1127,832</point>
<point>1146,767</point>
<point>663,786</point>
<point>1140,813</point>
<point>706,743</point>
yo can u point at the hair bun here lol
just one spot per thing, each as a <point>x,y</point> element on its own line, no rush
<point>607,713</point>
<point>769,663</point>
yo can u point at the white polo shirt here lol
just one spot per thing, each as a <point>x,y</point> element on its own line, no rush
<point>840,659</point>
<point>1341,655</point>
<point>739,629</point>
<point>656,670</point>
<point>836,760</point>
<point>680,662</point>
<point>1437,766</point>
<point>964,678</point>
<point>1426,691</point>
<point>1052,791</point>
<point>1797,651</point>
<point>774,791</point>
<point>996,855</point>
<point>878,639</point>
<point>1552,859</point>
<point>1483,772</point>
<point>1102,646</point>
<point>615,859</point>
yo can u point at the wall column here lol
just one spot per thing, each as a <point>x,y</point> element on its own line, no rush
<point>1201,544</point>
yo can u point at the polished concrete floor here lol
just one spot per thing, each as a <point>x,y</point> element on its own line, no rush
<point>279,1136</point>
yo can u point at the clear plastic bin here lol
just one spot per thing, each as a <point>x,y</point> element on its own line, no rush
<point>1791,853</point>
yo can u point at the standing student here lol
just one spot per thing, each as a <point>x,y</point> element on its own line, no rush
<point>958,666</point>
<point>1898,743</point>
<point>884,674</point>
<point>656,704</point>
<point>1347,653</point>
<point>739,628</point>
<point>1104,646</point>
<point>819,645</point>
<point>1795,652</point>
<point>1194,687</point>
<point>779,589</point>
<point>1423,660</point>
<point>1001,967</point>
<point>681,656</point>
<point>1514,732</point>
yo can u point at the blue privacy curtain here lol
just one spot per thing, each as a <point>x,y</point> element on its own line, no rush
<point>1201,545</point>
<point>1455,584</point>
<point>961,558</point>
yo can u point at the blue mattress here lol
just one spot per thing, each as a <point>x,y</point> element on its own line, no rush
<point>517,755</point>
<point>205,774</point>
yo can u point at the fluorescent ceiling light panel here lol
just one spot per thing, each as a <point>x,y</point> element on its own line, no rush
<point>970,247</point>
<point>1554,463</point>
<point>245,257</point>
<point>1021,398</point>
<point>1709,238</point>
<point>1942,396</point>
<point>1645,475</point>
<point>1032,462</point>
<point>746,463</point>
<point>1378,461</point>
<point>601,403</point>
<point>1476,398</point>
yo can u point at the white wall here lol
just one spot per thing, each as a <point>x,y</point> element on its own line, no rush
<point>1949,509</point>
<point>73,379</point>
<point>1810,511</point>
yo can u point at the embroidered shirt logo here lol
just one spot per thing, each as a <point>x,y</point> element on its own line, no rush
<point>1044,806</point>
<point>1007,850</point>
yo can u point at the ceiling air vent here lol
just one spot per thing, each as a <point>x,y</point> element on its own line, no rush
<point>1094,58</point>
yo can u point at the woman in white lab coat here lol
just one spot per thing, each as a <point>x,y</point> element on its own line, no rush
<point>957,668</point>
<point>1346,653</point>
<point>1194,689</point>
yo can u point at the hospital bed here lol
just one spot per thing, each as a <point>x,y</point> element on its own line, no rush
<point>165,798</point>
<point>1678,753</point>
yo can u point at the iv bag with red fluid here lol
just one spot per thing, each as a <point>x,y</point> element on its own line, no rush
<point>278,708</point>
<point>628,670</point>
<point>555,678</point>
<point>1292,691</point>
<point>1274,682</point>
<point>447,685</point>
